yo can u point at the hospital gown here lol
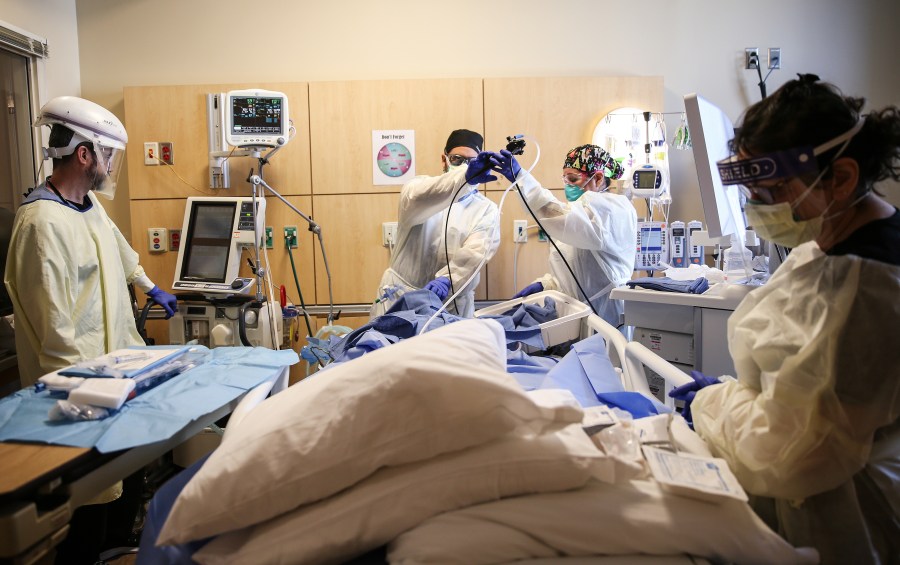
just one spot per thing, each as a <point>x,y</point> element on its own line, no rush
<point>419,256</point>
<point>597,235</point>
<point>67,274</point>
<point>812,420</point>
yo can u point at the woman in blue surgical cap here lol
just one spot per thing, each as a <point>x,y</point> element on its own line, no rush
<point>596,230</point>
<point>811,423</point>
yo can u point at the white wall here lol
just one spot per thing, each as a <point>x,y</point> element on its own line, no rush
<point>55,21</point>
<point>696,45</point>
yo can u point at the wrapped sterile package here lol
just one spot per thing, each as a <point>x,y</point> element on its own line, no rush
<point>704,478</point>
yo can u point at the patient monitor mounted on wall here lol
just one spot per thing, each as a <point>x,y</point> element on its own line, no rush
<point>242,123</point>
<point>256,118</point>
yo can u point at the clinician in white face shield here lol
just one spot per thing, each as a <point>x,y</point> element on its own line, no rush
<point>596,230</point>
<point>812,421</point>
<point>420,258</point>
<point>69,265</point>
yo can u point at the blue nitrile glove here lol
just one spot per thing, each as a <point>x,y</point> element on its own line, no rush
<point>688,391</point>
<point>439,286</point>
<point>479,170</point>
<point>164,299</point>
<point>509,167</point>
<point>530,289</point>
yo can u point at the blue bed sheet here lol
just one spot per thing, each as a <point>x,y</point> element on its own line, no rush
<point>155,415</point>
<point>587,372</point>
<point>412,311</point>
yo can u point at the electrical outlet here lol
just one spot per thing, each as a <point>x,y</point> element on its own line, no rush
<point>151,153</point>
<point>174,239</point>
<point>290,236</point>
<point>751,58</point>
<point>269,243</point>
<point>774,57</point>
<point>157,240</point>
<point>167,152</point>
<point>388,233</point>
<point>520,231</point>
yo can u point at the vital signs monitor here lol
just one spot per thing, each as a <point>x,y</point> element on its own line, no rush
<point>256,118</point>
<point>214,233</point>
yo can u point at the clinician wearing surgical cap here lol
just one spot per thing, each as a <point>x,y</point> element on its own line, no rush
<point>69,266</point>
<point>811,423</point>
<point>419,259</point>
<point>596,230</point>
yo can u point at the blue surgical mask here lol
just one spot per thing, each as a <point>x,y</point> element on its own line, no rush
<point>573,192</point>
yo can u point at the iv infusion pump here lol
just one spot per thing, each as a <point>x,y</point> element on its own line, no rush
<point>678,233</point>
<point>695,252</point>
<point>652,246</point>
<point>648,181</point>
<point>684,251</point>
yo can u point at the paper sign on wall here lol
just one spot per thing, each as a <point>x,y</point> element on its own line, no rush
<point>393,156</point>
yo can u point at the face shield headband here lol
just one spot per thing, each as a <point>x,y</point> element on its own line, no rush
<point>781,164</point>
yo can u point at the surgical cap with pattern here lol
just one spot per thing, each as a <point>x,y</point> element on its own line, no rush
<point>590,159</point>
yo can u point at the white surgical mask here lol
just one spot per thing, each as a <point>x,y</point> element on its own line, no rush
<point>776,223</point>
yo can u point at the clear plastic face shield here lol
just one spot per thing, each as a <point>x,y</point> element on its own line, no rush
<point>777,221</point>
<point>748,173</point>
<point>109,164</point>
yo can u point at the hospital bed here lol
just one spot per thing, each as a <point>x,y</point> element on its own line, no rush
<point>644,524</point>
<point>42,484</point>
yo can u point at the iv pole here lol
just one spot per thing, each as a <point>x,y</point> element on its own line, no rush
<point>257,180</point>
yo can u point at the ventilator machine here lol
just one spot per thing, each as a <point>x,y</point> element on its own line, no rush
<point>214,303</point>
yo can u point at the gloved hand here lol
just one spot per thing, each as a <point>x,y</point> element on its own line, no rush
<point>440,286</point>
<point>479,169</point>
<point>509,167</point>
<point>688,391</point>
<point>164,299</point>
<point>530,289</point>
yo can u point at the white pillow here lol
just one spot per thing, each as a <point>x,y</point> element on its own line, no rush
<point>630,518</point>
<point>439,392</point>
<point>393,500</point>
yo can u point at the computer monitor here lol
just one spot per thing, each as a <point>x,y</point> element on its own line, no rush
<point>711,131</point>
<point>256,118</point>
<point>214,232</point>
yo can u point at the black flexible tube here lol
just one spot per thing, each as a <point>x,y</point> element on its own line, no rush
<point>561,256</point>
<point>299,292</point>
<point>142,322</point>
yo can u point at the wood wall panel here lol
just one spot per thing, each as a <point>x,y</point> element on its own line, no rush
<point>344,114</point>
<point>178,114</point>
<point>330,158</point>
<point>532,256</point>
<point>351,228</point>
<point>558,114</point>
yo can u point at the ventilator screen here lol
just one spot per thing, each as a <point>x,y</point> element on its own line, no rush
<point>208,242</point>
